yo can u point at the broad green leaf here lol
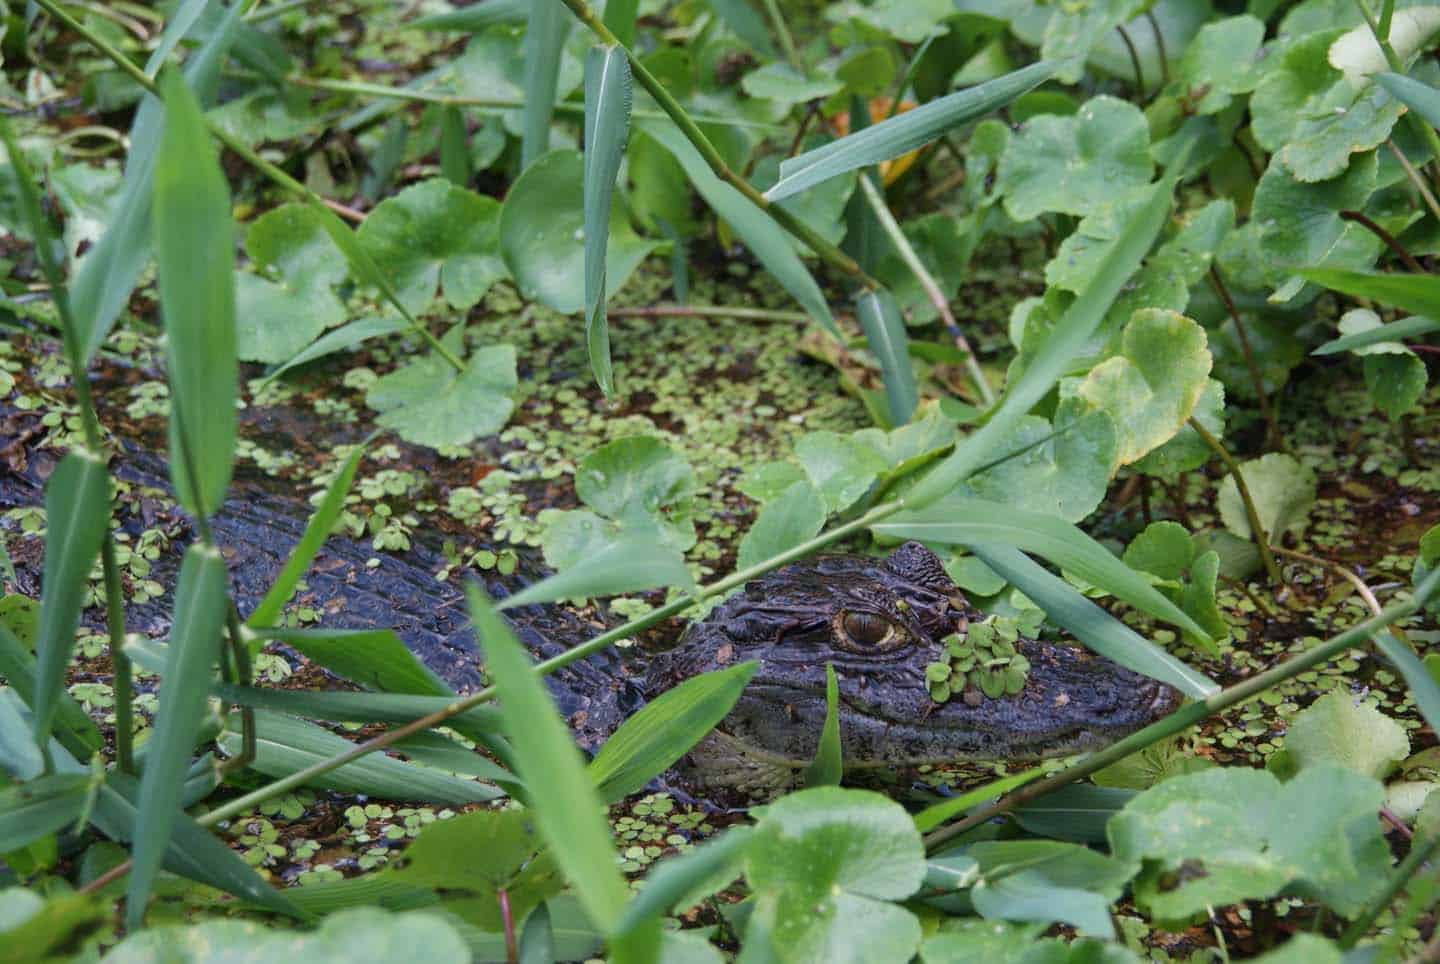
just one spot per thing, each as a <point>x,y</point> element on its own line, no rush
<point>1345,123</point>
<point>630,563</point>
<point>34,928</point>
<point>286,745</point>
<point>195,639</point>
<point>1090,624</point>
<point>195,255</point>
<point>542,234</point>
<point>77,510</point>
<point>1301,224</point>
<point>829,763</point>
<point>1152,385</point>
<point>349,336</point>
<point>31,810</point>
<point>567,807</point>
<point>965,521</point>
<point>676,883</point>
<point>537,940</point>
<point>1243,835</point>
<point>321,524</point>
<point>746,24</point>
<point>1419,97</point>
<point>73,728</point>
<point>885,336</point>
<point>374,658</point>
<point>639,481</point>
<point>1048,881</point>
<point>1359,56</point>
<point>1157,762</point>
<point>288,299</point>
<point>1370,335</point>
<point>665,729</point>
<point>905,132</point>
<point>434,235</point>
<point>1283,489</point>
<point>1062,472</point>
<point>1338,729</point>
<point>1293,88</point>
<point>477,17</point>
<point>429,403</point>
<point>765,239</point>
<point>546,27</point>
<point>796,515</point>
<point>1054,358</point>
<point>1077,812</point>
<point>1075,165</point>
<point>359,934</point>
<point>962,939</point>
<point>908,21</point>
<point>824,865</point>
<point>607,124</point>
<point>779,82</point>
<point>1187,451</point>
<point>841,466</point>
<point>1396,382</point>
<point>1221,61</point>
<point>1072,32</point>
<point>1162,549</point>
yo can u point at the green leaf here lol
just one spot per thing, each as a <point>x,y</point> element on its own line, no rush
<point>630,563</point>
<point>1293,88</point>
<point>795,516</point>
<point>829,763</point>
<point>1339,729</point>
<point>1075,165</point>
<point>435,234</point>
<point>195,636</point>
<point>428,402</point>
<point>1187,451</point>
<point>1424,687</point>
<point>454,146</point>
<point>665,729</point>
<point>542,230</point>
<point>1230,834</point>
<point>765,239</point>
<point>1301,224</point>
<point>607,123</point>
<point>780,83</point>
<point>32,927</point>
<point>1396,382</point>
<point>1062,472</point>
<point>374,658</point>
<point>1048,881</point>
<point>746,24</point>
<point>195,255</point>
<point>567,806</point>
<point>1054,358</point>
<point>1072,32</point>
<point>1345,122</point>
<point>1419,97</point>
<point>885,336</point>
<point>824,865</point>
<point>546,27</point>
<point>362,933</point>
<point>348,336</point>
<point>937,813</point>
<point>842,467</point>
<point>1163,549</point>
<point>1093,626</point>
<point>77,510</point>
<point>1370,335</point>
<point>1221,61</point>
<point>1359,56</point>
<point>73,728</point>
<point>639,479</point>
<point>475,18</point>
<point>677,883</point>
<point>317,529</point>
<point>345,707</point>
<point>1145,768</point>
<point>976,522</point>
<point>1283,489</point>
<point>904,132</point>
<point>29,811</point>
<point>288,300</point>
<point>1152,386</point>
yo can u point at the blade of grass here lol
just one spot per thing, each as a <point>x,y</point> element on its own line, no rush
<point>829,763</point>
<point>1416,293</point>
<point>195,252</point>
<point>374,658</point>
<point>29,811</point>
<point>630,564</point>
<point>345,707</point>
<point>546,28</point>
<point>200,604</point>
<point>885,336</point>
<point>607,126</point>
<point>937,813</point>
<point>73,728</point>
<point>675,878</point>
<point>1411,327</point>
<point>477,17</point>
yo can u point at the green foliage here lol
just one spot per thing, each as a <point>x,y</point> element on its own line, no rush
<point>1341,730</point>
<point>1283,489</point>
<point>428,402</point>
<point>288,299</point>
<point>982,660</point>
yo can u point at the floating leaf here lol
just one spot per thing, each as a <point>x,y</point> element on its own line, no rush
<point>1341,729</point>
<point>435,234</point>
<point>429,403</point>
<point>1283,489</point>
<point>607,122</point>
<point>289,299</point>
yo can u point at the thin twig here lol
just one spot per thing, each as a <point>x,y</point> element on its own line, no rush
<point>1262,539</point>
<point>1276,438</point>
<point>1415,179</point>
<point>1362,219</point>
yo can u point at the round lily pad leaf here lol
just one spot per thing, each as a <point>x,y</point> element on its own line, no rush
<point>542,236</point>
<point>1061,471</point>
<point>1222,61</point>
<point>437,235</point>
<point>639,479</point>
<point>1283,489</point>
<point>429,403</point>
<point>288,299</point>
<point>1338,729</point>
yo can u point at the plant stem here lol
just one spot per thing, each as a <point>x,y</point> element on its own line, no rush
<point>1159,45</point>
<point>123,683</point>
<point>1382,37</point>
<point>1261,539</point>
<point>709,311</point>
<point>928,283</point>
<point>1362,219</point>
<point>240,652</point>
<point>826,251</point>
<point>1414,860</point>
<point>1192,713</point>
<point>1276,440</point>
<point>1414,176</point>
<point>787,42</point>
<point>1134,60</point>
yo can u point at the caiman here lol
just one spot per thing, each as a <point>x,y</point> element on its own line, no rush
<point>878,621</point>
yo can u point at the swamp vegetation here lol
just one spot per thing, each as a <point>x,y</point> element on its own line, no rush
<point>384,387</point>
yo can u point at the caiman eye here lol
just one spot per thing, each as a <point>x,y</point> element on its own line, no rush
<point>867,632</point>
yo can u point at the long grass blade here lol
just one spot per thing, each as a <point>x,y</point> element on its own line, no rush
<point>885,334</point>
<point>200,603</point>
<point>829,763</point>
<point>31,810</point>
<point>607,127</point>
<point>546,27</point>
<point>1416,95</point>
<point>1416,293</point>
<point>1400,330</point>
<point>195,251</point>
<point>73,728</point>
<point>375,658</point>
<point>674,878</point>
<point>904,132</point>
<point>630,564</point>
<point>77,510</point>
<point>1423,686</point>
<point>477,17</point>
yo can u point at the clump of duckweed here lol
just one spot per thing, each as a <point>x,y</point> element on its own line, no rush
<point>982,661</point>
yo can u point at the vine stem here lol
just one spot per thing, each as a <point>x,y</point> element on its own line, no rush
<point>927,281</point>
<point>787,42</point>
<point>1192,713</point>
<point>827,252</point>
<point>1276,440</point>
<point>1364,220</point>
<point>1134,60</point>
<point>1261,538</point>
<point>242,150</point>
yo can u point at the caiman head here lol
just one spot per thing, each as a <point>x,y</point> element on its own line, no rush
<point>880,623</point>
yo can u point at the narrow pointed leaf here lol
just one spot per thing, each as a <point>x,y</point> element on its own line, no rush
<point>73,728</point>
<point>346,707</point>
<point>678,877</point>
<point>620,18</point>
<point>77,510</point>
<point>936,814</point>
<point>195,253</point>
<point>607,127</point>
<point>1093,626</point>
<point>1061,347</point>
<point>963,521</point>
<point>829,763</point>
<point>904,132</point>
<point>665,729</point>
<point>885,334</point>
<point>1400,330</point>
<point>375,658</point>
<point>200,601</point>
<point>454,146</point>
<point>1416,293</point>
<point>630,564</point>
<point>1416,95</point>
<point>546,26</point>
<point>1423,687</point>
<point>477,17</point>
<point>321,523</point>
<point>29,811</point>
